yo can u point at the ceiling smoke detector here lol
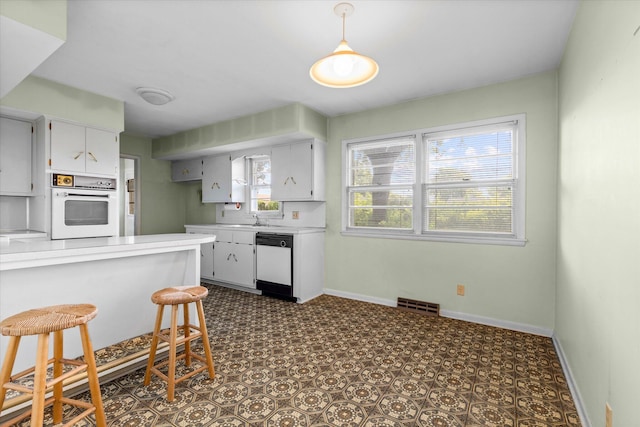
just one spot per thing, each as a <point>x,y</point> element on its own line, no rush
<point>155,96</point>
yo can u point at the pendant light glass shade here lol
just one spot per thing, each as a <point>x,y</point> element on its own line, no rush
<point>344,67</point>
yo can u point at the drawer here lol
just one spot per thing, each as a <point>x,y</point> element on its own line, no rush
<point>224,236</point>
<point>245,237</point>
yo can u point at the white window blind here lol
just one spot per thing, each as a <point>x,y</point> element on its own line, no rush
<point>260,185</point>
<point>380,183</point>
<point>469,181</point>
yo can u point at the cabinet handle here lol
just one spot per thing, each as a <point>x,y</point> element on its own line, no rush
<point>294,181</point>
<point>92,156</point>
<point>185,171</point>
<point>215,184</point>
<point>78,155</point>
<point>234,257</point>
<point>229,256</point>
<point>286,180</point>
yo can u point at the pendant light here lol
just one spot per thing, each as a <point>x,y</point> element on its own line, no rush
<point>344,67</point>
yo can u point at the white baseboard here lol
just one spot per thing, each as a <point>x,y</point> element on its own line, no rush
<point>573,388</point>
<point>360,297</point>
<point>520,327</point>
<point>504,324</point>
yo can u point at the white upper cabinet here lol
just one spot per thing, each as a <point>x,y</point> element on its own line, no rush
<point>85,150</point>
<point>223,179</point>
<point>186,170</point>
<point>298,171</point>
<point>15,157</point>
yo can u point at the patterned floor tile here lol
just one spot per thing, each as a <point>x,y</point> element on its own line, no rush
<point>338,362</point>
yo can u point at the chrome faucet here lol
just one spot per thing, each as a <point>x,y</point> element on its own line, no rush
<point>257,223</point>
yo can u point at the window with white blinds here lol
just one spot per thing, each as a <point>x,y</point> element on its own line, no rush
<point>381,177</point>
<point>469,180</point>
<point>260,186</point>
<point>461,183</point>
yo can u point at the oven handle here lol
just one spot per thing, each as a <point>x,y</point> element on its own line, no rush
<point>66,194</point>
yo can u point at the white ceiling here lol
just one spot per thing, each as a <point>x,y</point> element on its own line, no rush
<point>226,59</point>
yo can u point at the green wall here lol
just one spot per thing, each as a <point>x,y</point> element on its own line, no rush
<point>512,284</point>
<point>598,282</point>
<point>45,97</point>
<point>162,202</point>
<point>49,16</point>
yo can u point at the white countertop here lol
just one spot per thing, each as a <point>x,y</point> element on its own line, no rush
<point>260,228</point>
<point>22,253</point>
<point>22,234</point>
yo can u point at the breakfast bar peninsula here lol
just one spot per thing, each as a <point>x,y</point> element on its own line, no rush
<point>116,274</point>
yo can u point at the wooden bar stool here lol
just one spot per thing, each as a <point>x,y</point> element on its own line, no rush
<point>42,322</point>
<point>174,297</point>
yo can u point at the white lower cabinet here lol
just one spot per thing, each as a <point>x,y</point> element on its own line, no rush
<point>230,259</point>
<point>206,260</point>
<point>233,263</point>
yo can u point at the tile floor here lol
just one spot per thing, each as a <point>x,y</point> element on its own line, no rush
<point>338,362</point>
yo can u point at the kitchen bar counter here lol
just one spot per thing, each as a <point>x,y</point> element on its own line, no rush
<point>116,274</point>
<point>26,253</point>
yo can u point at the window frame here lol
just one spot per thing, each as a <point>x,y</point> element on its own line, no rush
<point>388,187</point>
<point>277,213</point>
<point>516,238</point>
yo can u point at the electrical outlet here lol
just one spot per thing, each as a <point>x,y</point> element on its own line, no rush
<point>608,416</point>
<point>461,290</point>
<point>295,215</point>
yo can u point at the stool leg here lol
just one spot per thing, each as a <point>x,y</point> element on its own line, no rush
<point>92,376</point>
<point>7,365</point>
<point>154,344</point>
<point>57,371</point>
<point>40,380</point>
<point>187,331</point>
<point>173,335</point>
<point>205,339</point>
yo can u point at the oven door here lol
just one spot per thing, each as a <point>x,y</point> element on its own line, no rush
<point>83,213</point>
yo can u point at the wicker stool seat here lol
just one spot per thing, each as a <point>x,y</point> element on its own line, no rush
<point>42,322</point>
<point>176,296</point>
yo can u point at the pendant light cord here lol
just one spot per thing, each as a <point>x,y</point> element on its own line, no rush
<point>343,24</point>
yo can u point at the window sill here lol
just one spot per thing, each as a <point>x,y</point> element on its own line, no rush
<point>503,241</point>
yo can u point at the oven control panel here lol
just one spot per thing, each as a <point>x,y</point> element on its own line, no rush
<point>78,181</point>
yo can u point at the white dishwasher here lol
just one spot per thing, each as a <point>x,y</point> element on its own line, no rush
<point>274,265</point>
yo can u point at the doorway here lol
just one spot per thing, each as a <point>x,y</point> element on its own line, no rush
<point>129,195</point>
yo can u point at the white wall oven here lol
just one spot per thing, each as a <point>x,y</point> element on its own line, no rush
<point>83,206</point>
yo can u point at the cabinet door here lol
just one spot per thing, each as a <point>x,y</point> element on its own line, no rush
<point>67,147</point>
<point>102,152</point>
<point>280,159</point>
<point>186,170</point>
<point>300,171</point>
<point>206,260</point>
<point>216,179</point>
<point>292,172</point>
<point>243,273</point>
<point>15,157</point>
<point>223,261</point>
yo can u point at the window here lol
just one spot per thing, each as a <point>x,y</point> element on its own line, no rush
<point>260,185</point>
<point>470,184</point>
<point>381,179</point>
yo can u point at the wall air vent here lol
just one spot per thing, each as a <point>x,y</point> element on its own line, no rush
<point>421,307</point>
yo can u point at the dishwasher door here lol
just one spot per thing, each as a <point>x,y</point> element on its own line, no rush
<point>274,264</point>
